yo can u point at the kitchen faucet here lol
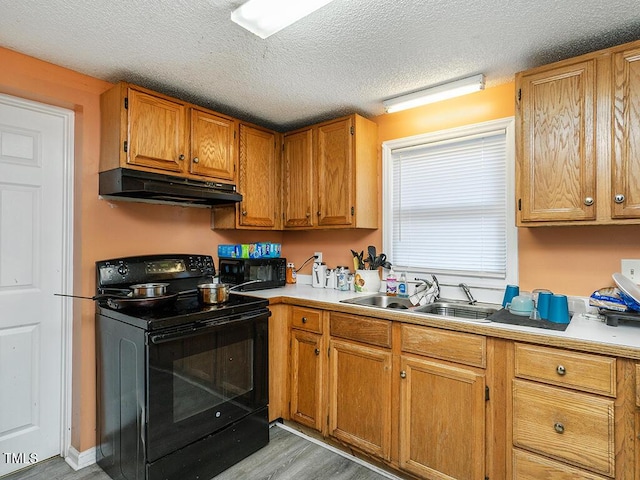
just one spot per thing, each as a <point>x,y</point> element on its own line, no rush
<point>467,292</point>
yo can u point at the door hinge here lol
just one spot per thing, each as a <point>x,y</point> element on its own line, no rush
<point>126,146</point>
<point>329,352</point>
<point>353,211</point>
<point>486,393</point>
<point>351,130</point>
<point>520,204</point>
<point>126,103</point>
<point>519,94</point>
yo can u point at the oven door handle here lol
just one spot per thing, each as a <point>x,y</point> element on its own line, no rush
<point>143,431</point>
<point>204,328</point>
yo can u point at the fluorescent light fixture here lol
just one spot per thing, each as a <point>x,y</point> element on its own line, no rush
<point>266,17</point>
<point>435,94</point>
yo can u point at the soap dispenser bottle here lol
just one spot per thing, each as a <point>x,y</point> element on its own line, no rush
<point>392,284</point>
<point>403,290</point>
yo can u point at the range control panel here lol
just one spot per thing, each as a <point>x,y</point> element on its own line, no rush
<point>152,268</point>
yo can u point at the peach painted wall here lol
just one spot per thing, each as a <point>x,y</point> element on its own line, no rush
<point>104,229</point>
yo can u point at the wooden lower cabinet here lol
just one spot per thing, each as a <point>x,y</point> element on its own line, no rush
<point>308,360</point>
<point>442,420</point>
<point>307,374</point>
<point>527,466</point>
<point>360,396</point>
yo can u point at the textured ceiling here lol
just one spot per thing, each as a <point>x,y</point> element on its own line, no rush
<point>348,56</point>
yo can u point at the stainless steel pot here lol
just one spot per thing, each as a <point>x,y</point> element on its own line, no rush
<point>149,290</point>
<point>217,293</point>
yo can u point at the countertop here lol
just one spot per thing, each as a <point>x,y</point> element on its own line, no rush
<point>585,331</point>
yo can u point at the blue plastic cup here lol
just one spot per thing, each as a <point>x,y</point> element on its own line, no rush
<point>559,309</point>
<point>510,292</point>
<point>544,299</point>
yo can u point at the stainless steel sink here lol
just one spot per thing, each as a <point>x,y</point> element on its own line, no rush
<point>449,308</point>
<point>381,300</point>
<point>442,307</point>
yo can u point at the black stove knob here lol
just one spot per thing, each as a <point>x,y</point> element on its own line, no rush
<point>123,269</point>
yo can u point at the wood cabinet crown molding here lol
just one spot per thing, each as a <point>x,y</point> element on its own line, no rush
<point>578,140</point>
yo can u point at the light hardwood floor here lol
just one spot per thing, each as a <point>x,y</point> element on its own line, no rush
<point>288,456</point>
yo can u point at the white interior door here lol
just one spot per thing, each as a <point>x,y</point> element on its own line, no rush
<point>34,151</point>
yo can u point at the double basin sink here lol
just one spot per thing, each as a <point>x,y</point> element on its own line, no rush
<point>441,307</point>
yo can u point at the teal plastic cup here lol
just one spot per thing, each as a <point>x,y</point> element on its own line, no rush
<point>509,292</point>
<point>559,309</point>
<point>544,300</point>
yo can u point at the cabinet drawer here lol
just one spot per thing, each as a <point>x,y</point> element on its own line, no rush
<point>582,371</point>
<point>532,467</point>
<point>573,427</point>
<point>361,329</point>
<point>306,319</point>
<point>457,347</point>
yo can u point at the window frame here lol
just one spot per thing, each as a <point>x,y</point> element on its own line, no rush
<point>489,289</point>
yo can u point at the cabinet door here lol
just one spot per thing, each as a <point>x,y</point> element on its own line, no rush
<point>157,132</point>
<point>626,135</point>
<point>298,179</point>
<point>360,396</point>
<point>212,146</point>
<point>258,178</point>
<point>306,378</point>
<point>334,154</point>
<point>442,420</point>
<point>557,166</point>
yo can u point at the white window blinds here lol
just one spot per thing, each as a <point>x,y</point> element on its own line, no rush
<point>449,205</point>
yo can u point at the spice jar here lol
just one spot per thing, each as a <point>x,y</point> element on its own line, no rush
<point>291,273</point>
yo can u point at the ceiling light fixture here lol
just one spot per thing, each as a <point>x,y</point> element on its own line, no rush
<point>435,94</point>
<point>266,17</point>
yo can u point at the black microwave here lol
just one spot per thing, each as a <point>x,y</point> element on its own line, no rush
<point>261,272</point>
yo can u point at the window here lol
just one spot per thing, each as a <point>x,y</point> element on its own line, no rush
<point>448,205</point>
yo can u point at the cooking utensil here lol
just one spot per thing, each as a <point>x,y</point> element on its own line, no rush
<point>149,290</point>
<point>119,303</point>
<point>217,293</point>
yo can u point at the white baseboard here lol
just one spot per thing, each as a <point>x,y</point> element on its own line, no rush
<point>78,460</point>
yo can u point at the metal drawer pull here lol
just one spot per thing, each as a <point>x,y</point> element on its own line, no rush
<point>558,427</point>
<point>588,201</point>
<point>304,319</point>
<point>317,351</point>
<point>403,374</point>
<point>561,370</point>
<point>619,198</point>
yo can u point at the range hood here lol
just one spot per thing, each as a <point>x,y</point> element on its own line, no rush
<point>137,186</point>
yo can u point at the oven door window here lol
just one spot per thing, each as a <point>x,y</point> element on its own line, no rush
<point>201,383</point>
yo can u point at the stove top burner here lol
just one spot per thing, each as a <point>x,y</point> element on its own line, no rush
<point>182,273</point>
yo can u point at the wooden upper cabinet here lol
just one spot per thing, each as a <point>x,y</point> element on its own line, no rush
<point>146,130</point>
<point>330,175</point>
<point>578,140</point>
<point>626,134</point>
<point>297,179</point>
<point>557,161</point>
<point>258,179</point>
<point>213,152</point>
<point>335,175</point>
<point>142,130</point>
<point>158,133</point>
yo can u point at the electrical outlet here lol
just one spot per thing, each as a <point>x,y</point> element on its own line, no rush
<point>318,256</point>
<point>631,268</point>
